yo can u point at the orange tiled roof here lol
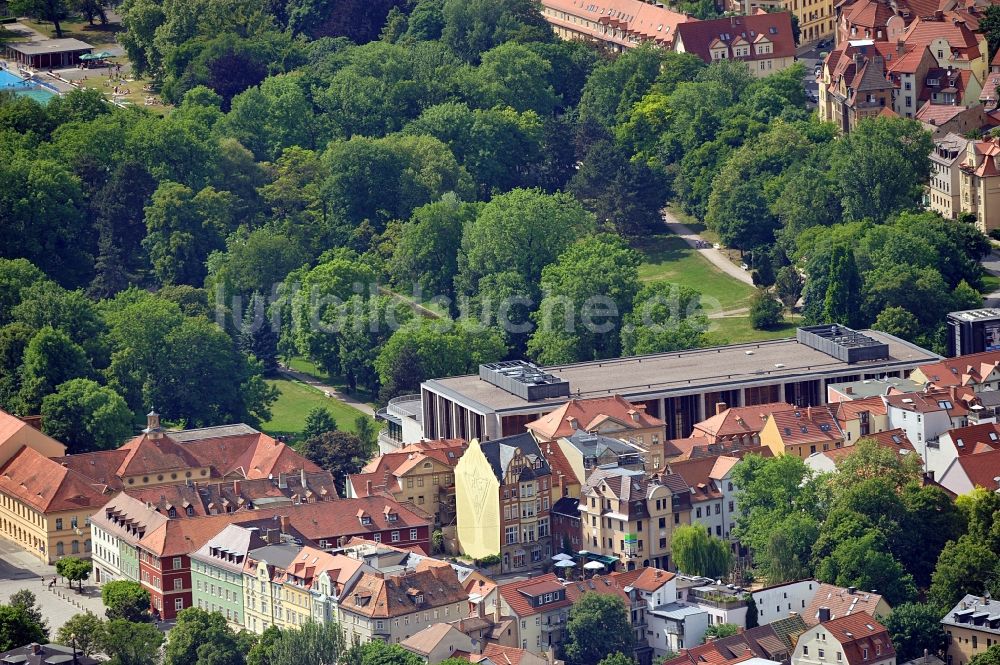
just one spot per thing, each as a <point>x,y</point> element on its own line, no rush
<point>644,579</point>
<point>520,604</point>
<point>702,37</point>
<point>982,469</point>
<point>634,18</point>
<point>963,370</point>
<point>584,414</point>
<point>813,424</point>
<point>375,595</point>
<point>858,633</point>
<point>738,420</point>
<point>841,602</point>
<point>46,485</point>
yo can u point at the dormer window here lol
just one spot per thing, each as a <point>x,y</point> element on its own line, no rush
<point>172,512</point>
<point>366,520</point>
<point>391,517</point>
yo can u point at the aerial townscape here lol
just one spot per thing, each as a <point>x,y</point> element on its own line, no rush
<point>504,332</point>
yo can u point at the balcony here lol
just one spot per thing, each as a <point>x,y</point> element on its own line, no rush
<point>675,629</point>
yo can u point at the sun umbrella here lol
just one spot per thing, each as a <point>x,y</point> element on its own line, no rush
<point>104,54</point>
<point>593,565</point>
<point>562,557</point>
<point>564,564</point>
<point>89,56</point>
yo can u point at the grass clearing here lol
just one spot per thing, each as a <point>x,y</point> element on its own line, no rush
<point>78,28</point>
<point>669,258</point>
<point>991,283</point>
<point>737,330</point>
<point>296,400</point>
<point>306,366</point>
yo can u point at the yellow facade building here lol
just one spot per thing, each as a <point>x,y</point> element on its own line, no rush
<point>477,490</point>
<point>44,506</point>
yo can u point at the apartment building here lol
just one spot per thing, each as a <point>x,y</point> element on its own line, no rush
<point>681,388</point>
<point>614,24</point>
<point>713,495</point>
<point>972,627</point>
<point>925,416</point>
<point>628,518</point>
<point>764,41</point>
<point>217,572</point>
<point>422,474</point>
<point>612,416</point>
<point>265,601</point>
<point>854,85</point>
<point>740,424</point>
<point>503,490</point>
<point>944,187</point>
<point>393,608</point>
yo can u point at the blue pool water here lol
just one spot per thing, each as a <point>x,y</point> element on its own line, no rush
<point>37,91</point>
<point>9,80</point>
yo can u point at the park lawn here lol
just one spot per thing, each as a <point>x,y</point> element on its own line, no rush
<point>692,223</point>
<point>296,400</point>
<point>306,366</point>
<point>991,283</point>
<point>669,258</point>
<point>737,330</point>
<point>79,28</point>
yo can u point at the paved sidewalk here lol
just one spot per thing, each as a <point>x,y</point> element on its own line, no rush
<point>717,258</point>
<point>330,391</point>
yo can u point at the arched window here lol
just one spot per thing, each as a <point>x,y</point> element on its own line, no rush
<point>75,547</point>
<point>86,545</point>
<point>60,549</point>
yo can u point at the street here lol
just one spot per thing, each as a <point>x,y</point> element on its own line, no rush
<point>809,56</point>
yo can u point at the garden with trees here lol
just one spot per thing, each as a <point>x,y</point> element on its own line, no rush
<point>416,190</point>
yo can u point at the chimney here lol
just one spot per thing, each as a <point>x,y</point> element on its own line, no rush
<point>302,477</point>
<point>939,15</point>
<point>496,609</point>
<point>282,481</point>
<point>236,488</point>
<point>720,407</point>
<point>36,648</point>
<point>848,390</point>
<point>153,429</point>
<point>573,422</point>
<point>809,413</point>
<point>824,614</point>
<point>285,524</point>
<point>852,590</point>
<point>368,488</point>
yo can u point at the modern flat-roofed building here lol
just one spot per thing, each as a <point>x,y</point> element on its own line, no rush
<point>681,388</point>
<point>48,53</point>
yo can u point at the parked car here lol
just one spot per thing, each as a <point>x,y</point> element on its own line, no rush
<point>744,266</point>
<point>716,246</point>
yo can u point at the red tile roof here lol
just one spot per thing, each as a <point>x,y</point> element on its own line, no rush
<point>841,602</point>
<point>852,409</point>
<point>975,439</point>
<point>586,414</point>
<point>607,585</point>
<point>813,424</point>
<point>644,579</point>
<point>926,29</point>
<point>500,655</point>
<point>700,37</point>
<point>738,421</point>
<point>893,439</point>
<point>859,632</point>
<point>635,19</point>
<point>46,485</point>
<point>952,400</point>
<point>375,595</point>
<point>964,370</point>
<point>520,604</point>
<point>982,469</point>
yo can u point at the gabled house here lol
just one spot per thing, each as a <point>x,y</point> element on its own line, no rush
<point>968,472</point>
<point>737,424</point>
<point>854,85</point>
<point>971,627</point>
<point>959,443</point>
<point>503,492</point>
<point>926,415</point>
<point>894,439</point>
<point>856,639</point>
<point>978,371</point>
<point>764,41</point>
<point>802,432</point>
<point>861,418</point>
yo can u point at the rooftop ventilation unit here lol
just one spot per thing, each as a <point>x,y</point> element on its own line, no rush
<point>524,379</point>
<point>842,343</point>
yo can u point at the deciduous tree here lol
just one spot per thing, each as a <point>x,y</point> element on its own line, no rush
<point>697,553</point>
<point>86,416</point>
<point>598,626</point>
<point>126,600</point>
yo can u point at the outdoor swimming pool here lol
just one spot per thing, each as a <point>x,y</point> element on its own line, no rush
<point>37,91</point>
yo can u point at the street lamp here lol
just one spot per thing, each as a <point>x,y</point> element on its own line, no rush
<point>72,638</point>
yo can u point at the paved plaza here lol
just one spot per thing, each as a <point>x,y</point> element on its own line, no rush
<point>19,570</point>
